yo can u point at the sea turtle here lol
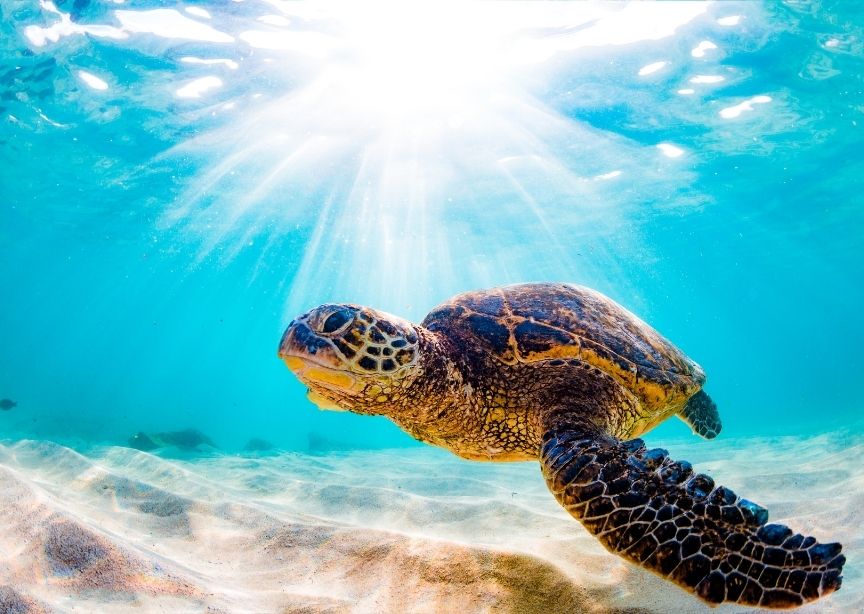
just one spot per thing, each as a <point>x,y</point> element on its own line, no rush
<point>7,404</point>
<point>564,375</point>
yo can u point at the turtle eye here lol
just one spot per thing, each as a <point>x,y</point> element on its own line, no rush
<point>336,320</point>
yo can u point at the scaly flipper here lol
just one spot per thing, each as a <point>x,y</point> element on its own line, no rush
<point>700,414</point>
<point>657,513</point>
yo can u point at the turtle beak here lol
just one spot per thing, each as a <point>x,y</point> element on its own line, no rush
<point>313,360</point>
<point>299,342</point>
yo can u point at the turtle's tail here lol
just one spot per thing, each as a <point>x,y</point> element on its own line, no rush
<point>657,513</point>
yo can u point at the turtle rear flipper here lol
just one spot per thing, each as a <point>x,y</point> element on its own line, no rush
<point>657,513</point>
<point>700,414</point>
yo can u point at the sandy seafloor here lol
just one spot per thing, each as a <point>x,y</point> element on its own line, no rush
<point>412,530</point>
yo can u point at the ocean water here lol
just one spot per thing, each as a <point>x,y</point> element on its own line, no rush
<point>179,180</point>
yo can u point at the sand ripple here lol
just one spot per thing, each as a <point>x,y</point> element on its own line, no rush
<point>403,531</point>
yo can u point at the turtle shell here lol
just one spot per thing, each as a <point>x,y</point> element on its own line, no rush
<point>528,323</point>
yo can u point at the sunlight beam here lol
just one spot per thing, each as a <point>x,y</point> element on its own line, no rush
<point>387,155</point>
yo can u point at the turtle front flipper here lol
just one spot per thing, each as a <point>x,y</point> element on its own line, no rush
<point>659,514</point>
<point>700,414</point>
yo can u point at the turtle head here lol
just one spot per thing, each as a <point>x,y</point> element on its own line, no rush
<point>351,357</point>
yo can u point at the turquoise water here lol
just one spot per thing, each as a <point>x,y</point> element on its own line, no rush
<point>176,185</point>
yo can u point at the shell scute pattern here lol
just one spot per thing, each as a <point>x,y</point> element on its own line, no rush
<point>528,323</point>
<point>493,332</point>
<point>535,340</point>
<point>490,303</point>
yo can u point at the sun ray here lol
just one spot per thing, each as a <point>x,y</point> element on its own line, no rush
<point>412,136</point>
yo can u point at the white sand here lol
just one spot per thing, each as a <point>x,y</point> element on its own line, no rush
<point>398,531</point>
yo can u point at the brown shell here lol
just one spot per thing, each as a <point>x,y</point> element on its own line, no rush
<point>527,323</point>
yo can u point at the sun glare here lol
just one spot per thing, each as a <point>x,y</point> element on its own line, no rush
<point>407,60</point>
<point>409,131</point>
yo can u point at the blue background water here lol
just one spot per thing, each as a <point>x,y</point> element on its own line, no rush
<point>154,246</point>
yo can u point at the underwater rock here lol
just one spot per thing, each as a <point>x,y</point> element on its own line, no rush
<point>141,441</point>
<point>257,445</point>
<point>7,404</point>
<point>187,439</point>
